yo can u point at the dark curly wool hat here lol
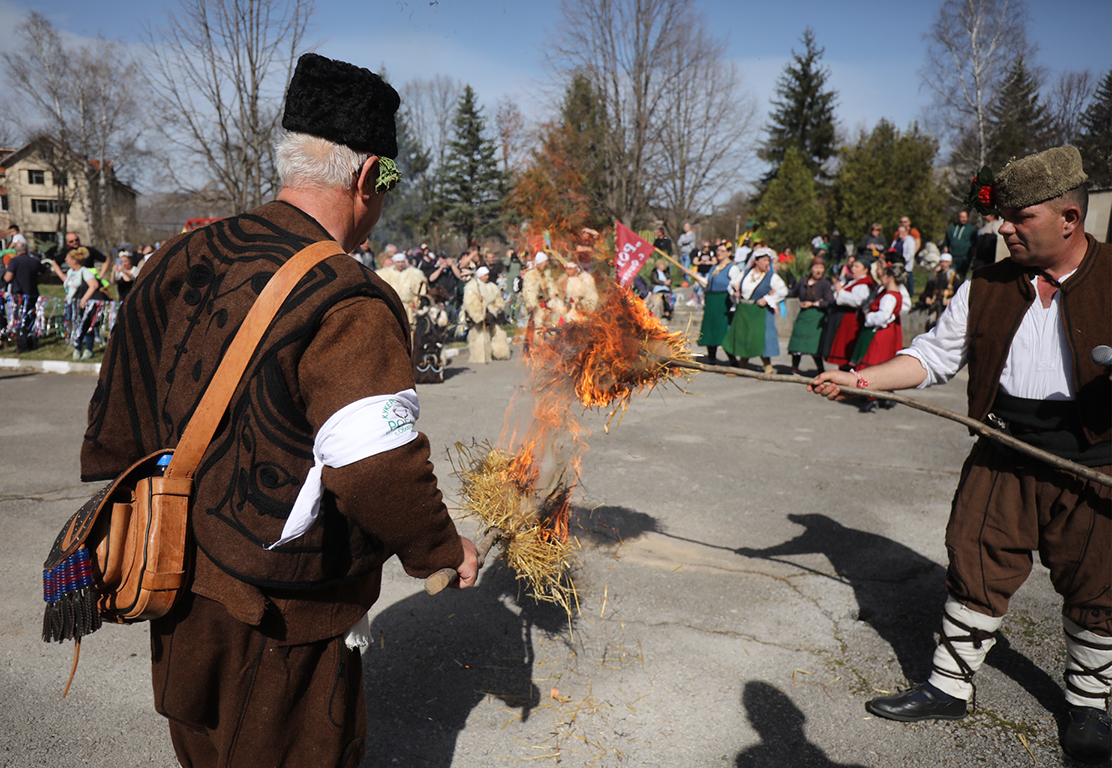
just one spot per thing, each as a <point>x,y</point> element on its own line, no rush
<point>1040,177</point>
<point>343,103</point>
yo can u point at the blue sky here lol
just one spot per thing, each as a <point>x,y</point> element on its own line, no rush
<point>874,49</point>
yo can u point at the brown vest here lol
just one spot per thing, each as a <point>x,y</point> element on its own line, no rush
<point>1000,296</point>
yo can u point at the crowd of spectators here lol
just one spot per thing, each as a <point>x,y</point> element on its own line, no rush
<point>90,279</point>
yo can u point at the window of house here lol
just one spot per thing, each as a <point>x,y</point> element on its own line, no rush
<point>45,206</point>
<point>3,202</point>
<point>46,237</point>
<point>59,178</point>
<point>36,177</point>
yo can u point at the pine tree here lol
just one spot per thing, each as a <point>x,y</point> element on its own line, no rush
<point>803,115</point>
<point>407,212</point>
<point>789,211</point>
<point>472,186</point>
<point>885,175</point>
<point>583,119</point>
<point>1096,135</point>
<point>563,188</point>
<point>1019,120</point>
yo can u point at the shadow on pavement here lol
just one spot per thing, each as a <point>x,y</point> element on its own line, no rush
<point>610,525</point>
<point>451,371</point>
<point>433,659</point>
<point>899,592</point>
<point>900,595</point>
<point>779,723</point>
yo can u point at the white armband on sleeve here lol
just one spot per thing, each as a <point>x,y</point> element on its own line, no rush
<point>357,431</point>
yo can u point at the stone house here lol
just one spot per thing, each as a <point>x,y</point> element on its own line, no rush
<point>43,191</point>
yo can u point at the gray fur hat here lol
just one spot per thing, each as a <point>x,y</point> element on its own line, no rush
<point>1040,177</point>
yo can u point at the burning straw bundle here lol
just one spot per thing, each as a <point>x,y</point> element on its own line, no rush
<point>532,523</point>
<point>613,353</point>
<point>522,494</point>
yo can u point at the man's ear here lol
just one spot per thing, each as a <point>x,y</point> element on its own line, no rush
<point>1071,217</point>
<point>368,178</point>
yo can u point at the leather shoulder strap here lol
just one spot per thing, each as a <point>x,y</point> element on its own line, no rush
<point>202,425</point>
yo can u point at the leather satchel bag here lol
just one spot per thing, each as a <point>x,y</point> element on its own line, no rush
<point>122,556</point>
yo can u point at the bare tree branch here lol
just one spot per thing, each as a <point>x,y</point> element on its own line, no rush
<point>970,47</point>
<point>708,133</point>
<point>430,105</point>
<point>625,48</point>
<point>1067,102</point>
<point>220,68</point>
<point>85,101</point>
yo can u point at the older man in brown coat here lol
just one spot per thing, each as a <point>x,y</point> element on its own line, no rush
<point>251,666</point>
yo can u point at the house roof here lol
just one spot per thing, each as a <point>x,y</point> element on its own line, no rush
<point>8,157</point>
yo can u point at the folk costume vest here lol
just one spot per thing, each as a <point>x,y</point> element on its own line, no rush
<point>177,323</point>
<point>1001,294</point>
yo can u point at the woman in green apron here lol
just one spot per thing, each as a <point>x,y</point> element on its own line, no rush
<point>753,330</point>
<point>815,296</point>
<point>717,312</point>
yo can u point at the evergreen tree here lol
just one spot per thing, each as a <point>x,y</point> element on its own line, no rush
<point>803,114</point>
<point>789,210</point>
<point>585,123</point>
<point>563,188</point>
<point>1019,121</point>
<point>1096,135</point>
<point>407,212</point>
<point>885,175</point>
<point>472,186</point>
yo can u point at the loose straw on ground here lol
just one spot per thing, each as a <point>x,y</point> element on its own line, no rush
<point>981,429</point>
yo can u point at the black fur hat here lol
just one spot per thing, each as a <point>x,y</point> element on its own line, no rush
<point>343,103</point>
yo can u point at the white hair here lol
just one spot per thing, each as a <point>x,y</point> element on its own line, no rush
<point>305,160</point>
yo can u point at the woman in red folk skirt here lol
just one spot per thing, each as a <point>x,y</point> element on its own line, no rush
<point>881,335</point>
<point>844,321</point>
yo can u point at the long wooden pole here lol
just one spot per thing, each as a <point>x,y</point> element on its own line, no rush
<point>981,429</point>
<point>693,275</point>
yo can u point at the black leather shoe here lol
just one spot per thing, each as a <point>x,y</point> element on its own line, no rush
<point>917,703</point>
<point>1088,735</point>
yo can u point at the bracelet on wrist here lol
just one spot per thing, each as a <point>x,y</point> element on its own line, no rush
<point>861,383</point>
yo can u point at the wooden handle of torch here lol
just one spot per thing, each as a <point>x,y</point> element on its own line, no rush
<point>446,577</point>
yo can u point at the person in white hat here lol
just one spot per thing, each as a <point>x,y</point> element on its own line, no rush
<point>408,282</point>
<point>574,294</point>
<point>536,293</point>
<point>485,307</point>
<point>942,284</point>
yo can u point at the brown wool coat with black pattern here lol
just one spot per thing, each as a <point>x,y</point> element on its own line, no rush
<point>340,336</point>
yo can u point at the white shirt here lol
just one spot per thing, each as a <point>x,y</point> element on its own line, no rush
<point>856,296</point>
<point>907,248</point>
<point>905,304</point>
<point>745,285</point>
<point>1039,358</point>
<point>884,315</point>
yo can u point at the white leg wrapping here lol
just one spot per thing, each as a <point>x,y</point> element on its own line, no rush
<point>1088,666</point>
<point>966,634</point>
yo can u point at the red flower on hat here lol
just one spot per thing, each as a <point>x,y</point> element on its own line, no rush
<point>980,197</point>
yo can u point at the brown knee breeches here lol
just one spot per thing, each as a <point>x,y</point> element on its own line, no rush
<point>1003,512</point>
<point>235,698</point>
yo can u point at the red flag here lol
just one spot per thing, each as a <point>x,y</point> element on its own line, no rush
<point>630,253</point>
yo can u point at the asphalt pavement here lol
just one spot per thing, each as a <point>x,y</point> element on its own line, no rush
<point>754,563</point>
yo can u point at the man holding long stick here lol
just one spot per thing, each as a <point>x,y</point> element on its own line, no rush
<point>1025,326</point>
